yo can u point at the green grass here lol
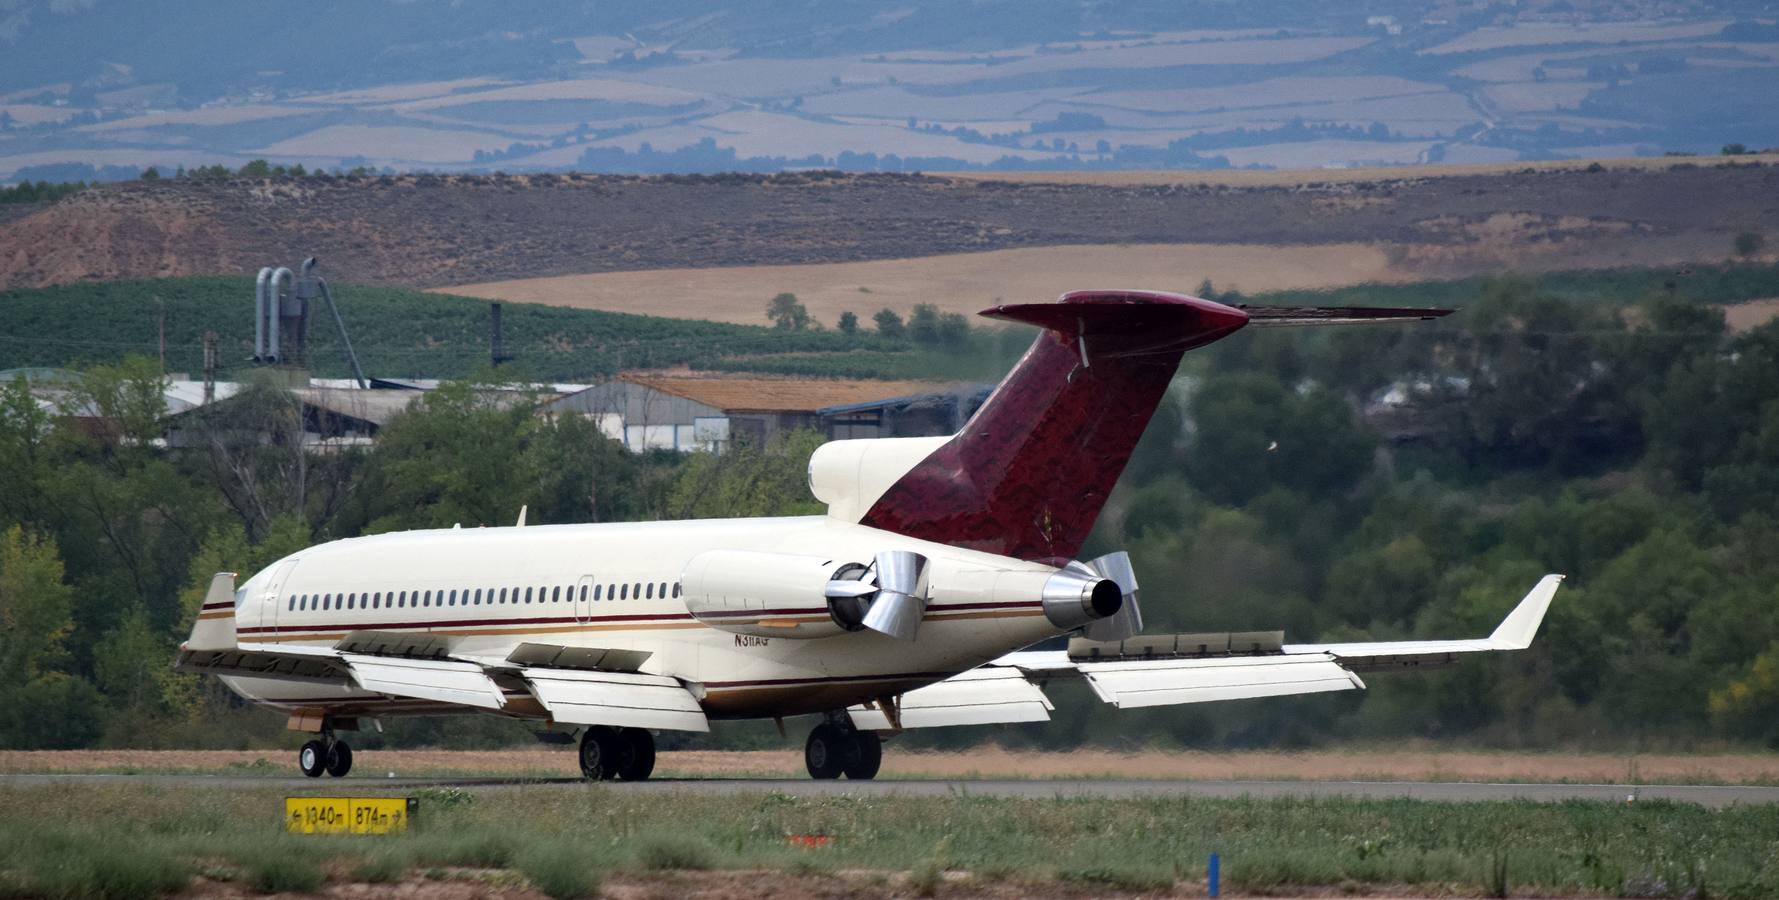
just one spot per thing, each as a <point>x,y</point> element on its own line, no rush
<point>404,333</point>
<point>141,840</point>
<point>396,332</point>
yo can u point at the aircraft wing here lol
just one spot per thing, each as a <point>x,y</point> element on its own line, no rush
<point>572,686</point>
<point>1164,670</point>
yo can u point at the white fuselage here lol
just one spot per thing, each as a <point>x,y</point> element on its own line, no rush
<point>485,591</point>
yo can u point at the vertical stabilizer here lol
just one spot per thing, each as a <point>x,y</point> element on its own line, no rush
<point>1026,477</point>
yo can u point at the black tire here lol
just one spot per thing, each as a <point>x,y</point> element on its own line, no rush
<point>599,753</point>
<point>824,754</point>
<point>312,759</point>
<point>867,756</point>
<point>339,759</point>
<point>639,762</point>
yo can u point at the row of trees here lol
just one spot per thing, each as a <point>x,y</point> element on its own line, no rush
<point>925,323</point>
<point>1271,491</point>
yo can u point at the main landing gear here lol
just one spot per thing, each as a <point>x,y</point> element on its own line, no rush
<point>836,748</point>
<point>609,754</point>
<point>329,754</point>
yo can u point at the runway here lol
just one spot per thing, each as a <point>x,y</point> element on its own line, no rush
<point>1715,796</point>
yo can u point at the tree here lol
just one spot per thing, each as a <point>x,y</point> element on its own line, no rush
<point>151,174</point>
<point>1749,243</point>
<point>1250,435</point>
<point>849,322</point>
<point>787,314</point>
<point>258,168</point>
<point>1737,149</point>
<point>35,607</point>
<point>953,329</point>
<point>923,324</point>
<point>889,324</point>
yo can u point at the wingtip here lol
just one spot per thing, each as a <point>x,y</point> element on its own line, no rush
<point>1517,630</point>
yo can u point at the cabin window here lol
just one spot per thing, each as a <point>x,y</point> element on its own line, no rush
<point>638,592</point>
<point>503,595</point>
<point>291,605</point>
<point>596,591</point>
<point>426,599</point>
<point>649,591</point>
<point>556,594</point>
<point>583,593</point>
<point>327,601</point>
<point>623,592</point>
<point>664,590</point>
<point>351,601</point>
<point>528,595</point>
<point>478,600</point>
<point>451,599</point>
<point>676,590</point>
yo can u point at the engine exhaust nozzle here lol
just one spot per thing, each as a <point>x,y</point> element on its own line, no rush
<point>1073,598</point>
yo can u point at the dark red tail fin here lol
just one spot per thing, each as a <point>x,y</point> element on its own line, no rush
<point>1026,477</point>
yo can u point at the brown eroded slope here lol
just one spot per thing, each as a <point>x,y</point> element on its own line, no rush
<point>434,231</point>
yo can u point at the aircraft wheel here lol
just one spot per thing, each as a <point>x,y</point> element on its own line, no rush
<point>639,759</point>
<point>825,753</point>
<point>312,759</point>
<point>339,759</point>
<point>599,753</point>
<point>866,756</point>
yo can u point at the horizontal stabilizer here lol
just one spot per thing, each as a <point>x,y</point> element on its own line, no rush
<point>1279,316</point>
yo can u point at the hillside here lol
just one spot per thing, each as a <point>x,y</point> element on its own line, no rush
<point>720,85</point>
<point>436,231</point>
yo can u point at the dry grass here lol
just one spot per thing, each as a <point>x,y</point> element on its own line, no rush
<point>1751,315</point>
<point>964,283</point>
<point>986,762</point>
<point>1293,177</point>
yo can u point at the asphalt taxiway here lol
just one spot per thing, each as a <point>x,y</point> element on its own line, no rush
<point>1704,795</point>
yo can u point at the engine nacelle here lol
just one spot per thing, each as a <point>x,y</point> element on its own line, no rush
<point>773,594</point>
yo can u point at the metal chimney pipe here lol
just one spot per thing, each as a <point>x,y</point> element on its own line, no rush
<point>275,307</point>
<point>259,314</point>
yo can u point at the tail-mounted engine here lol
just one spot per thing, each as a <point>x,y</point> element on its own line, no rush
<point>791,596</point>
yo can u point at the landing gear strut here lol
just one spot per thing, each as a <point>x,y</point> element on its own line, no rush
<point>836,748</point>
<point>329,754</point>
<point>609,753</point>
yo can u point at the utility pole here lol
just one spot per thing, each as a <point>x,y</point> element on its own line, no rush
<point>209,367</point>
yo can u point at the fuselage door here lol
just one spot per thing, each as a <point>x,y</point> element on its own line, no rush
<point>261,608</point>
<point>583,599</point>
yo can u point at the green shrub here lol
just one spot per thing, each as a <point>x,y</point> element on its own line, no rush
<point>559,870</point>
<point>284,873</point>
<point>664,852</point>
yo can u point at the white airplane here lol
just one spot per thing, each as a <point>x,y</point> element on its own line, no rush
<point>906,606</point>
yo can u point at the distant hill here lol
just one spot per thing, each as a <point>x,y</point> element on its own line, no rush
<point>103,88</point>
<point>437,231</point>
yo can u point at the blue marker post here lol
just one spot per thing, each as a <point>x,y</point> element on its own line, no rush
<point>1211,878</point>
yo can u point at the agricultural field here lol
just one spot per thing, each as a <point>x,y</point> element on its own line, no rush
<point>923,87</point>
<point>964,283</point>
<point>579,840</point>
<point>1429,764</point>
<point>556,336</point>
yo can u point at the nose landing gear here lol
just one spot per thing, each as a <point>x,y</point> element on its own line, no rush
<point>836,748</point>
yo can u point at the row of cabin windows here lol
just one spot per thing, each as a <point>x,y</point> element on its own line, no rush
<point>403,599</point>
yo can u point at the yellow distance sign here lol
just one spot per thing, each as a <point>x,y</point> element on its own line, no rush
<point>348,815</point>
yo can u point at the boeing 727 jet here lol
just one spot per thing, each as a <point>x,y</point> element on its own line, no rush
<point>908,605</point>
